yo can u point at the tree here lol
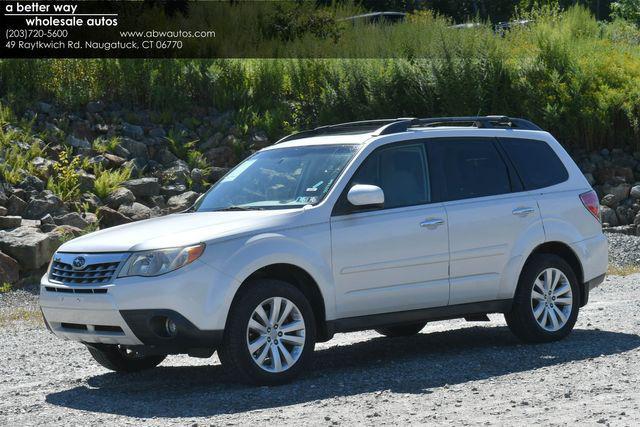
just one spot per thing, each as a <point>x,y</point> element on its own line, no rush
<point>626,9</point>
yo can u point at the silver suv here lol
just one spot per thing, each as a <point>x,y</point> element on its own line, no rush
<point>384,225</point>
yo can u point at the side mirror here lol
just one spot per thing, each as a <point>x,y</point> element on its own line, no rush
<point>365,195</point>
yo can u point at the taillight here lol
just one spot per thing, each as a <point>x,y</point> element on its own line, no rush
<point>591,202</point>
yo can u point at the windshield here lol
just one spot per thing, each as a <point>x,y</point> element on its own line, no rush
<point>281,178</point>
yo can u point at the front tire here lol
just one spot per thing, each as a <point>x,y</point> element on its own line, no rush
<point>547,300</point>
<point>119,359</point>
<point>401,330</point>
<point>270,333</point>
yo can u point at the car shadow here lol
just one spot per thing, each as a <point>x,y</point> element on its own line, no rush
<point>415,364</point>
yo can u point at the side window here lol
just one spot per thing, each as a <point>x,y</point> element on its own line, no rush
<point>536,162</point>
<point>401,173</point>
<point>468,168</point>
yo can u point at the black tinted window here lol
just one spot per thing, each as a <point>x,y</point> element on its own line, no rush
<point>468,168</point>
<point>400,172</point>
<point>536,163</point>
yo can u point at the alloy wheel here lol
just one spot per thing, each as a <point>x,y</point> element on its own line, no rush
<point>276,334</point>
<point>551,299</point>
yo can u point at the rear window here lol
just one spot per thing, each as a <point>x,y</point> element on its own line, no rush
<point>468,168</point>
<point>536,162</point>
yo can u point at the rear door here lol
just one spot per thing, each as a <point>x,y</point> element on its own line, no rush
<point>394,257</point>
<point>489,214</point>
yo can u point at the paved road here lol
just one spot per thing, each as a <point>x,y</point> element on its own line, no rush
<point>452,373</point>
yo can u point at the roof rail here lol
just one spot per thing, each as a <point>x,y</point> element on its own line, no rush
<point>481,122</point>
<point>359,126</point>
<point>402,124</point>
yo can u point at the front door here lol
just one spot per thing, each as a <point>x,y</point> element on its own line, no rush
<point>396,257</point>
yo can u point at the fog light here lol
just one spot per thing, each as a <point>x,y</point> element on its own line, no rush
<point>170,327</point>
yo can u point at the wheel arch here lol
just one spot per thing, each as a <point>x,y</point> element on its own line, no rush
<point>303,281</point>
<point>565,252</point>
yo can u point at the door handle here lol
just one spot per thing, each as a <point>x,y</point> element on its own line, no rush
<point>523,211</point>
<point>432,223</point>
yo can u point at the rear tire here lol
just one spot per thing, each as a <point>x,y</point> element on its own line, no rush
<point>116,358</point>
<point>547,300</point>
<point>270,333</point>
<point>401,330</point>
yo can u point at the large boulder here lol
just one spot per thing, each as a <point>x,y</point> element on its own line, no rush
<point>110,217</point>
<point>32,183</point>
<point>73,219</point>
<point>625,215</point>
<point>608,216</point>
<point>635,192</point>
<point>9,269</point>
<point>172,190</point>
<point>614,194</point>
<point>66,232</point>
<point>16,206</point>
<point>135,148</point>
<point>155,202</point>
<point>43,166</point>
<point>143,187</point>
<point>31,248</point>
<point>178,173</point>
<point>132,131</point>
<point>10,221</point>
<point>47,224</point>
<point>113,160</point>
<point>37,208</point>
<point>221,156</point>
<point>613,174</point>
<point>78,143</point>
<point>136,211</point>
<point>91,200</point>
<point>165,157</point>
<point>215,173</point>
<point>182,201</point>
<point>120,196</point>
<point>86,180</point>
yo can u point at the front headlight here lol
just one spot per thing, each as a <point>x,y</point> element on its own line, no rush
<point>160,261</point>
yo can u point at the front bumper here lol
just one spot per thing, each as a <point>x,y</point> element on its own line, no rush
<point>131,311</point>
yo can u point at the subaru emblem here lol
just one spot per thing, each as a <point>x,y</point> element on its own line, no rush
<point>78,262</point>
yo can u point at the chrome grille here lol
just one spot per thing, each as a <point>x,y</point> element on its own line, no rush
<point>96,269</point>
<point>93,274</point>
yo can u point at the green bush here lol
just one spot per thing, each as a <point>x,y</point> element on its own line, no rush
<point>628,10</point>
<point>65,181</point>
<point>108,180</point>
<point>106,145</point>
<point>18,148</point>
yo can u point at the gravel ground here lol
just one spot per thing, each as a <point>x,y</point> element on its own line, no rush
<point>453,372</point>
<point>624,250</point>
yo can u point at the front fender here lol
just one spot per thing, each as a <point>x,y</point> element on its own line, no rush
<point>307,248</point>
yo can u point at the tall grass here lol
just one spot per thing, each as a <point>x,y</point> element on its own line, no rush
<point>574,76</point>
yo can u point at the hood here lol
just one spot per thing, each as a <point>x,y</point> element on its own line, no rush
<point>180,230</point>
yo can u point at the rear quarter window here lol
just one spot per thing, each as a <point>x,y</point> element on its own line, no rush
<point>536,163</point>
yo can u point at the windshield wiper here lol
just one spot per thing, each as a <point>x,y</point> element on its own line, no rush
<point>236,208</point>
